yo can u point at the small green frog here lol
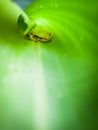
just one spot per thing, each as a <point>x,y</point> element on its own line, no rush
<point>37,33</point>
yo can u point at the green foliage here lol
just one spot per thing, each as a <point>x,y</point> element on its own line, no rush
<point>52,86</point>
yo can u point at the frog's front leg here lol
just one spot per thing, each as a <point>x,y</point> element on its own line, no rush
<point>31,37</point>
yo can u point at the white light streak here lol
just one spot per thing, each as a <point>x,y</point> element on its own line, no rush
<point>40,99</point>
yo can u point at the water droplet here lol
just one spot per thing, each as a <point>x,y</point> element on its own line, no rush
<point>41,6</point>
<point>56,5</point>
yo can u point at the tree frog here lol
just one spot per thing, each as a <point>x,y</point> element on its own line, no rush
<point>37,33</point>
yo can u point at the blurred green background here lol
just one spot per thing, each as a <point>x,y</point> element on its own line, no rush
<point>52,86</point>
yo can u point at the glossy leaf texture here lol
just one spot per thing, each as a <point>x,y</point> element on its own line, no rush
<point>50,86</point>
<point>70,20</point>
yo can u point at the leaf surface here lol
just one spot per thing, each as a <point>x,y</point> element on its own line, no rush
<point>59,77</point>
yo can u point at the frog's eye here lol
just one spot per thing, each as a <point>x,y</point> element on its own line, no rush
<point>49,34</point>
<point>35,36</point>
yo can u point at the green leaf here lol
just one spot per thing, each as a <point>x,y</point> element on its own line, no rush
<point>49,86</point>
